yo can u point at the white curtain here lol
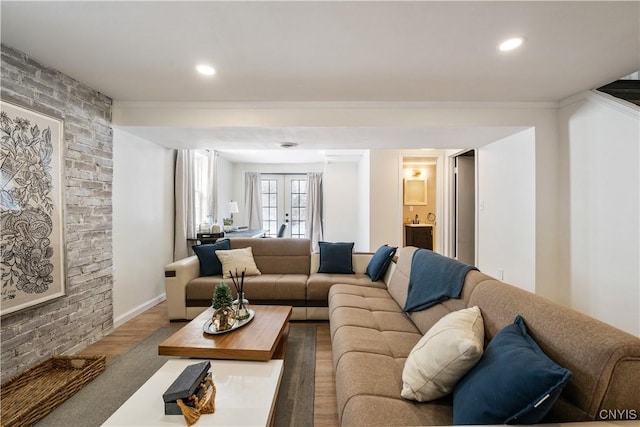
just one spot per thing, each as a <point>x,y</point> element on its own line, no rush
<point>253,199</point>
<point>212,179</point>
<point>314,209</point>
<point>185,219</point>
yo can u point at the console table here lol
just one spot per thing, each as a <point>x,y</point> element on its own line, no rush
<point>249,232</point>
<point>204,238</point>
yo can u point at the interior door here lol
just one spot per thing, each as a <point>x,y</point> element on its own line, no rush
<point>465,209</point>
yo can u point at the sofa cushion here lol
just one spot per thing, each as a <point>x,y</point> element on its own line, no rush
<point>277,256</point>
<point>380,262</point>
<point>368,320</point>
<point>210,264</point>
<point>373,399</point>
<point>370,410</point>
<point>276,287</point>
<point>236,261</point>
<point>319,284</point>
<point>514,382</point>
<point>336,257</point>
<point>444,355</point>
<point>263,288</point>
<point>359,297</point>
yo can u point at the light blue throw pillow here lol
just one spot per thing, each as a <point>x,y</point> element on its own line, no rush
<point>513,383</point>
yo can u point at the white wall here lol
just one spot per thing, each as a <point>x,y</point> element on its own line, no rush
<point>143,211</point>
<point>601,140</point>
<point>506,174</point>
<point>340,193</point>
<point>549,204</point>
<point>385,199</point>
<point>364,209</point>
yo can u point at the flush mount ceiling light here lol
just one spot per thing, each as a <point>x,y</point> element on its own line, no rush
<point>206,70</point>
<point>288,144</point>
<point>510,44</point>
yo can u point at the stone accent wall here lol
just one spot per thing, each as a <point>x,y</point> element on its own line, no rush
<point>85,314</point>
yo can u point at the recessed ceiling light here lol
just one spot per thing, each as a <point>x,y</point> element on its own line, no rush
<point>206,70</point>
<point>510,44</point>
<point>288,144</point>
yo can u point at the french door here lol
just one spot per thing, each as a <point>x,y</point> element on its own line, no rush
<point>284,201</point>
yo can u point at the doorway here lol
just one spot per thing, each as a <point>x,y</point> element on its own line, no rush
<point>419,202</point>
<point>463,224</point>
<point>284,201</point>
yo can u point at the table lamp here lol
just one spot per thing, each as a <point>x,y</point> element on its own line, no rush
<point>233,208</point>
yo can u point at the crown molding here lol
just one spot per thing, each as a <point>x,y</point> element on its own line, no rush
<point>602,98</point>
<point>312,105</point>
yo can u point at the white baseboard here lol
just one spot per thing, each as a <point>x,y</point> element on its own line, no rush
<point>139,309</point>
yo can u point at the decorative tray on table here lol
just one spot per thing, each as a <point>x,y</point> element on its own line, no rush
<point>210,328</point>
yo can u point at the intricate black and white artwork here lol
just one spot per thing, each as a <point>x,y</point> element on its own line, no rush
<point>31,221</point>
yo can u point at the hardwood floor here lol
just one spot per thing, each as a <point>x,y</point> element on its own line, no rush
<point>324,404</point>
<point>137,329</point>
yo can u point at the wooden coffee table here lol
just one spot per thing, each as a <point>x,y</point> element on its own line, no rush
<point>264,338</point>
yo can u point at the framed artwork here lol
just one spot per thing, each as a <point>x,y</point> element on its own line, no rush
<point>31,208</point>
<point>415,192</point>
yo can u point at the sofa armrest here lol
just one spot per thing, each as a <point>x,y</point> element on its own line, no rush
<point>176,276</point>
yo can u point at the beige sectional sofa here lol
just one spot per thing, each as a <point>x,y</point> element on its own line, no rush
<point>372,337</point>
<point>289,277</point>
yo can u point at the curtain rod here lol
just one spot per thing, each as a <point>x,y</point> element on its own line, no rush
<point>284,173</point>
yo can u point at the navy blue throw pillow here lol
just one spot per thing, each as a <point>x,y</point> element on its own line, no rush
<point>336,258</point>
<point>380,262</point>
<point>210,265</point>
<point>513,383</point>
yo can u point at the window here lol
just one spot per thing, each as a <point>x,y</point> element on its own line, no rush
<point>284,200</point>
<point>201,185</point>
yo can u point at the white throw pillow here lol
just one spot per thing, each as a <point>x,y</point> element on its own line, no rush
<point>443,356</point>
<point>237,260</point>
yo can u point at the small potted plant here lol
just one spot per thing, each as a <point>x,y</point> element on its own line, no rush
<point>223,317</point>
<point>221,296</point>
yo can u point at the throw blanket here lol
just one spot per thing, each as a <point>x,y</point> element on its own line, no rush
<point>434,278</point>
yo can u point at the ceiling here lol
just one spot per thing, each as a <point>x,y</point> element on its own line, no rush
<point>307,51</point>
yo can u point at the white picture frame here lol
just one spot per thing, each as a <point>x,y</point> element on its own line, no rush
<point>32,207</point>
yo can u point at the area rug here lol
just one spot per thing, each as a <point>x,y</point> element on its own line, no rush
<point>295,398</point>
<point>94,403</point>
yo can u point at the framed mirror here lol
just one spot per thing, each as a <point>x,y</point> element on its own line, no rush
<point>415,192</point>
